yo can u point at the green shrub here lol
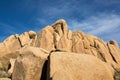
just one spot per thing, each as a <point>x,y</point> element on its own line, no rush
<point>4,74</point>
<point>117,74</point>
<point>1,68</point>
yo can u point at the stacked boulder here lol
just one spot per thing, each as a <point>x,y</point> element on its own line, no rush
<point>58,37</point>
<point>57,53</point>
<point>16,42</point>
<point>9,50</point>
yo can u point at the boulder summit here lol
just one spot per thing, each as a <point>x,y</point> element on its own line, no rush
<point>57,53</point>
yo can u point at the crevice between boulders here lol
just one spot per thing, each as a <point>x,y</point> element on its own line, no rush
<point>46,70</point>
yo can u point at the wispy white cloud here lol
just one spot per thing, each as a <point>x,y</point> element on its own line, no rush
<point>8,29</point>
<point>41,21</point>
<point>61,9</point>
<point>96,25</point>
<point>106,26</point>
<point>108,2</point>
<point>68,8</point>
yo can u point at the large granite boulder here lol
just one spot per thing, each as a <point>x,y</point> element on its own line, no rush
<point>71,66</point>
<point>29,64</point>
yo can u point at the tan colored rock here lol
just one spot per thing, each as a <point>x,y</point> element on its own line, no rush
<point>32,41</point>
<point>3,49</point>
<point>80,34</point>
<point>12,63</point>
<point>15,42</point>
<point>77,42</point>
<point>94,52</point>
<point>71,66</point>
<point>32,34</point>
<point>9,45</point>
<point>62,36</point>
<point>17,36</point>
<point>86,43</point>
<point>56,40</point>
<point>45,39</point>
<point>103,51</point>
<point>5,79</point>
<point>113,42</point>
<point>64,43</point>
<point>60,27</point>
<point>33,37</point>
<point>61,75</point>
<point>88,51</point>
<point>12,41</point>
<point>24,39</point>
<point>114,53</point>
<point>5,60</point>
<point>69,35</point>
<point>29,64</point>
<point>55,37</point>
<point>91,39</point>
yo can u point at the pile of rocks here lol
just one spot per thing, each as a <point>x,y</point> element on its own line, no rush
<point>57,53</point>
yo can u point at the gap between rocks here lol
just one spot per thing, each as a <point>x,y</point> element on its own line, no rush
<point>46,70</point>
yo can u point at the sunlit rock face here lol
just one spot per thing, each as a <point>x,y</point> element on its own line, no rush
<point>56,53</point>
<point>58,37</point>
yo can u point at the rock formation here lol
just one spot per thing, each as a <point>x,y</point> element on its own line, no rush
<point>71,66</point>
<point>16,42</point>
<point>29,64</point>
<point>59,37</point>
<point>56,53</point>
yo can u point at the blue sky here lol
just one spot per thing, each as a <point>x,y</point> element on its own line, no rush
<point>98,17</point>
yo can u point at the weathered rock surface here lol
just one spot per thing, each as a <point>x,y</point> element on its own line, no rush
<point>71,66</point>
<point>29,64</point>
<point>12,63</point>
<point>5,79</point>
<point>9,45</point>
<point>50,39</point>
<point>16,42</point>
<point>58,37</point>
<point>45,39</point>
<point>5,60</point>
